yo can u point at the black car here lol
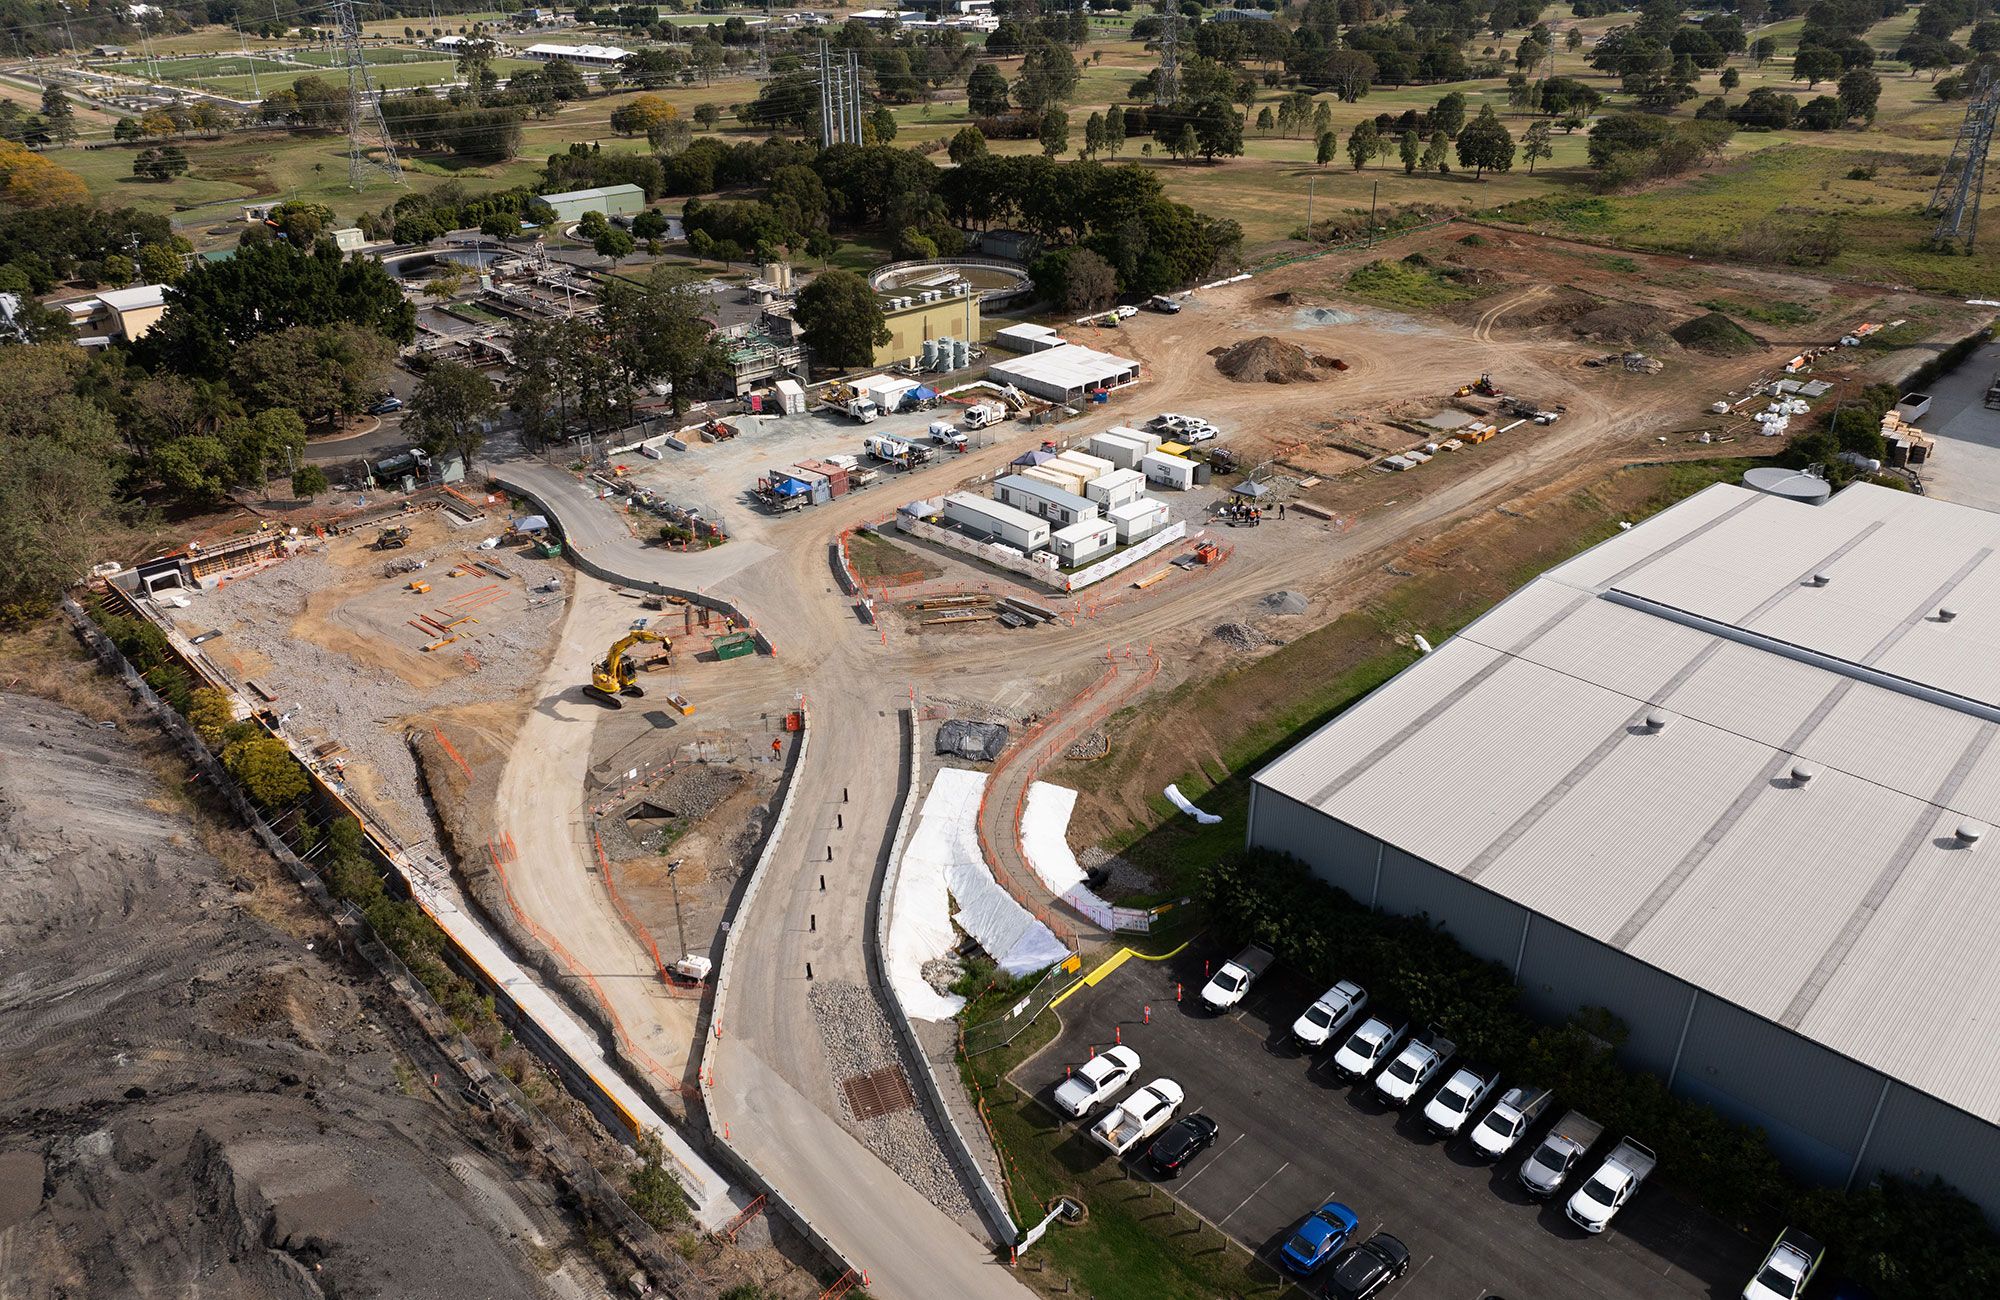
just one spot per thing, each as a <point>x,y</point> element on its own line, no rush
<point>1361,1271</point>
<point>1185,1139</point>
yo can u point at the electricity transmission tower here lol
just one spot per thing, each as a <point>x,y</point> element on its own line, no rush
<point>839,97</point>
<point>1167,81</point>
<point>1956,198</point>
<point>366,129</point>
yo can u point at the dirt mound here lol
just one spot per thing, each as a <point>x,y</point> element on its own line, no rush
<point>1273,361</point>
<point>1621,322</point>
<point>1285,297</point>
<point>1284,602</point>
<point>1716,335</point>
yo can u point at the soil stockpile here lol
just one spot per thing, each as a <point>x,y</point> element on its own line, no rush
<point>1269,360</point>
<point>1284,602</point>
<point>1621,322</point>
<point>1716,335</point>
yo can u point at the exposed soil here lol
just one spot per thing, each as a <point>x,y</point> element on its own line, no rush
<point>1274,361</point>
<point>196,1087</point>
<point>1622,323</point>
<point>1716,335</point>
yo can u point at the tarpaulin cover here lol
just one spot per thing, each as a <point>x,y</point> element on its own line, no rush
<point>978,741</point>
<point>1007,931</point>
<point>1045,843</point>
<point>1034,457</point>
<point>1173,792</point>
<point>530,524</point>
<point>920,394</point>
<point>920,911</point>
<point>787,487</point>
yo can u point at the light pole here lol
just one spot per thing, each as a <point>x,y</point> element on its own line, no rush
<point>1309,207</point>
<point>673,879</point>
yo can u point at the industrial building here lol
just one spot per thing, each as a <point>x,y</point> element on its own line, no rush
<point>1028,337</point>
<point>611,200</point>
<point>1067,373</point>
<point>911,319</point>
<point>117,315</point>
<point>589,56</point>
<point>1731,775</point>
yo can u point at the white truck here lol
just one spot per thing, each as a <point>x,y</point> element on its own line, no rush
<point>1548,1166</point>
<point>945,434</point>
<point>1607,1190</point>
<point>862,410</point>
<point>1097,1080</point>
<point>1450,1108</point>
<point>1509,1121</point>
<point>1421,1058</point>
<point>982,414</point>
<point>1139,1116</point>
<point>1329,1014</point>
<point>1226,988</point>
<point>895,451</point>
<point>1367,1048</point>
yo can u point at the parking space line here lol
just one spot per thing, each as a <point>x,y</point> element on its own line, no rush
<point>1253,1195</point>
<point>1189,1180</point>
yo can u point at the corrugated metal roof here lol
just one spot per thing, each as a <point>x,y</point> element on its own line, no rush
<point>1520,755</point>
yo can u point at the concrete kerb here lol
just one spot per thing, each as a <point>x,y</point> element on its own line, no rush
<point>718,1010</point>
<point>605,573</point>
<point>992,1205</point>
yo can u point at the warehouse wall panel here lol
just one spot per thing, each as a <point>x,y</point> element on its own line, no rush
<point>1563,970</point>
<point>1336,852</point>
<point>1484,922</point>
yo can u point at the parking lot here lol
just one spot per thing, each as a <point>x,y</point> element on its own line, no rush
<point>1293,1136</point>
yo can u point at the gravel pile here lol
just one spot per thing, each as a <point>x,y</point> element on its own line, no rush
<point>1121,877</point>
<point>942,972</point>
<point>1284,602</point>
<point>858,1040</point>
<point>1237,636</point>
<point>1092,744</point>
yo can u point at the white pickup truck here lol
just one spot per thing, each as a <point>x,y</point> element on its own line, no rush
<point>1452,1105</point>
<point>1139,1116</point>
<point>1607,1190</point>
<point>1421,1058</point>
<point>1229,984</point>
<point>1096,1080</point>
<point>1329,1014</point>
<point>1510,1118</point>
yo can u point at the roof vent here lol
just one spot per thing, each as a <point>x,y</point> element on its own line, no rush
<point>1656,719</point>
<point>1819,580</point>
<point>1946,613</point>
<point>1970,833</point>
<point>1803,772</point>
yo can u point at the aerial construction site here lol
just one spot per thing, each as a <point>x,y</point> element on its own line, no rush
<point>738,764</point>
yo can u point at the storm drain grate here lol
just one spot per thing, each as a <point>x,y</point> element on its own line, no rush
<point>878,1093</point>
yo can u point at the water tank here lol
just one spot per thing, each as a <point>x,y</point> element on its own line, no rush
<point>930,353</point>
<point>1795,485</point>
<point>961,354</point>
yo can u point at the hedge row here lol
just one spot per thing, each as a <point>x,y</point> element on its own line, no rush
<point>1899,1239</point>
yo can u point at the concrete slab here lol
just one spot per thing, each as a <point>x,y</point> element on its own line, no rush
<point>1966,468</point>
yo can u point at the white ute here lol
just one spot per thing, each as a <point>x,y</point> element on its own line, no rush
<point>1139,1116</point>
<point>1096,1080</point>
<point>1367,1048</point>
<point>1230,983</point>
<point>1422,1057</point>
<point>1329,1015</point>
<point>1464,1092</point>
<point>1508,1121</point>
<point>1610,1187</point>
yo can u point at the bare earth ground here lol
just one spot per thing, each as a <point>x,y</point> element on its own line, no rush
<point>197,1097</point>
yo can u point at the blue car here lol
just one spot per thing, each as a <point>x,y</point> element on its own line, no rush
<point>1324,1232</point>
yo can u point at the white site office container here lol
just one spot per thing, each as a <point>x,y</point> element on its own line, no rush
<point>1116,488</point>
<point>1083,542</point>
<point>1000,522</point>
<point>1061,476</point>
<point>1168,471</point>
<point>1138,520</point>
<point>1083,463</point>
<point>1057,505</point>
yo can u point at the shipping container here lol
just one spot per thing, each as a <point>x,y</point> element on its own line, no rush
<point>1059,476</point>
<point>1089,466</point>
<point>1138,520</point>
<point>835,475</point>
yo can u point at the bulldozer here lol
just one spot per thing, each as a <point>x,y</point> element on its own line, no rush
<point>616,675</point>
<point>393,538</point>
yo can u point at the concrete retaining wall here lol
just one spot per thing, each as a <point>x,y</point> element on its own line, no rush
<point>992,1205</point>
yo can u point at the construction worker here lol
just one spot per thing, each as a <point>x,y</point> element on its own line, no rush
<point>1281,510</point>
<point>777,746</point>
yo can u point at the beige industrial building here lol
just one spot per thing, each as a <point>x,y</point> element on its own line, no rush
<point>933,314</point>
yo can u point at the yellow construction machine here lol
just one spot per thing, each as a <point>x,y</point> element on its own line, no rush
<point>616,676</point>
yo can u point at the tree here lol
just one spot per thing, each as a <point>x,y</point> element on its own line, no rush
<point>1820,113</point>
<point>308,481</point>
<point>266,770</point>
<point>62,461</point>
<point>1093,135</point>
<point>323,372</point>
<point>1114,130</point>
<point>658,332</point>
<point>883,120</point>
<point>1485,145</point>
<point>986,91</point>
<point>1322,118</point>
<point>1536,144</point>
<point>612,243</point>
<point>563,79</point>
<point>706,116</point>
<point>1860,89</point>
<point>160,164</point>
<point>300,223</point>
<point>1573,40</point>
<point>1448,115</point>
<point>1265,121</point>
<point>1731,79</point>
<point>968,144</point>
<point>649,224</point>
<point>58,115</point>
<point>1324,149</point>
<point>1089,282</point>
<point>654,1193</point>
<point>216,307</point>
<point>1437,154</point>
<point>648,115</point>
<point>1347,73</point>
<point>28,180</point>
<point>210,713</point>
<point>1815,64</point>
<point>1048,77</point>
<point>1055,131</point>
<point>1363,143</point>
<point>1218,128</point>
<point>1763,48</point>
<point>841,319</point>
<point>1184,143</point>
<point>450,410</point>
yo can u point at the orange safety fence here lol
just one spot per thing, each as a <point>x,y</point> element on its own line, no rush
<point>639,932</point>
<point>452,750</point>
<point>1007,1166</point>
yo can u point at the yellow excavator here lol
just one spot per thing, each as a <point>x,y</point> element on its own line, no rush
<point>615,676</point>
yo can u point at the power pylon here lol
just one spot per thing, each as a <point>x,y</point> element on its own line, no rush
<point>1955,200</point>
<point>1167,81</point>
<point>366,128</point>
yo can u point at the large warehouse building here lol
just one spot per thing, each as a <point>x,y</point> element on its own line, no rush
<point>1732,775</point>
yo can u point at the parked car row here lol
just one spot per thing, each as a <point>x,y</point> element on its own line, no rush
<point>1188,429</point>
<point>1358,1271</point>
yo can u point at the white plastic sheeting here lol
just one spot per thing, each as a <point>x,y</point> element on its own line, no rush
<point>943,854</point>
<point>1044,837</point>
<point>920,913</point>
<point>1173,792</point>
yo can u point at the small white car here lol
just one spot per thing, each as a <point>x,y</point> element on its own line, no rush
<point>1463,1093</point>
<point>1194,434</point>
<point>1096,1080</point>
<point>1329,1015</point>
<point>1139,1116</point>
<point>1369,1046</point>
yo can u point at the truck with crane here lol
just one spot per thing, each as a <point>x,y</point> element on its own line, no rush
<point>896,451</point>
